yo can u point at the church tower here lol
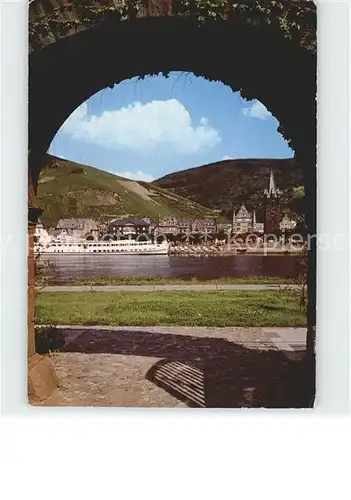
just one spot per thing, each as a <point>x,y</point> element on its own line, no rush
<point>272,213</point>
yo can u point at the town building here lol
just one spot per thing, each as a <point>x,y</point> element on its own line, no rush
<point>197,226</point>
<point>41,235</point>
<point>257,227</point>
<point>287,224</point>
<point>44,237</point>
<point>272,210</point>
<point>242,221</point>
<point>77,228</point>
<point>245,222</point>
<point>129,225</point>
<point>166,225</point>
<point>65,235</point>
<point>171,225</point>
<point>224,227</point>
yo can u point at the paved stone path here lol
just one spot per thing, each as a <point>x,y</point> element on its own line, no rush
<point>181,367</point>
<point>150,288</point>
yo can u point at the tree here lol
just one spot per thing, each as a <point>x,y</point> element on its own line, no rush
<point>45,274</point>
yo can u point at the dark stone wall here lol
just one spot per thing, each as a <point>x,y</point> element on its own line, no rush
<point>52,20</point>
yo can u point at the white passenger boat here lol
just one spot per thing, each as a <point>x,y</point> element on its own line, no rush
<point>121,247</point>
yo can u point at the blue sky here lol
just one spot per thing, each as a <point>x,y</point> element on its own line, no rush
<point>144,129</point>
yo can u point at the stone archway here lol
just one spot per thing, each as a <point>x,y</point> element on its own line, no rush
<point>267,52</point>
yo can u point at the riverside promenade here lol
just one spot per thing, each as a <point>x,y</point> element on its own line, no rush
<point>168,288</point>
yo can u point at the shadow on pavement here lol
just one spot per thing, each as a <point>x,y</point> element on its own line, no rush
<point>207,372</point>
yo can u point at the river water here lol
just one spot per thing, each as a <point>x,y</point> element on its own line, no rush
<point>75,267</point>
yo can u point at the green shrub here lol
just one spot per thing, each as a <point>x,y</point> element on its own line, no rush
<point>48,338</point>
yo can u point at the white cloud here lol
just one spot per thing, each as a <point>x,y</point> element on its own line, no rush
<point>256,110</point>
<point>226,157</point>
<point>143,128</point>
<point>136,176</point>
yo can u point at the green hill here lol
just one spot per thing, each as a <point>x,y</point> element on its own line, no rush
<point>68,189</point>
<point>227,184</point>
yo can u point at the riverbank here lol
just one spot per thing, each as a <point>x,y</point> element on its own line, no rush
<point>231,250</point>
<point>160,280</point>
<point>164,269</point>
<point>211,309</point>
<point>167,288</point>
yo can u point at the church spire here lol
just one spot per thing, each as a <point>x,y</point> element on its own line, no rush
<point>272,191</point>
<point>272,187</point>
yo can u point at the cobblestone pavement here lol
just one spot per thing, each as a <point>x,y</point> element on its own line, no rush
<point>165,288</point>
<point>181,367</point>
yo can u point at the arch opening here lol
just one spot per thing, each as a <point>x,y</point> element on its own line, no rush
<point>264,67</point>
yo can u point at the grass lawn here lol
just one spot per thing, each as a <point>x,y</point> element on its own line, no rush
<point>160,280</point>
<point>232,308</point>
